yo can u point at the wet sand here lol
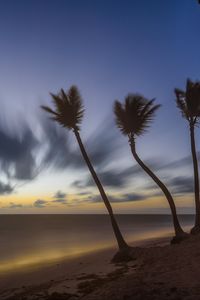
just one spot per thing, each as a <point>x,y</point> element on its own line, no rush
<point>63,278</point>
<point>158,271</point>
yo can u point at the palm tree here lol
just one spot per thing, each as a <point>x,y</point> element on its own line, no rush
<point>189,104</point>
<point>133,119</point>
<point>69,113</point>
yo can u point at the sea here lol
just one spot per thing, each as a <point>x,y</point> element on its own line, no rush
<point>28,240</point>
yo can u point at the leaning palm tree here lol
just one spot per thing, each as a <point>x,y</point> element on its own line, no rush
<point>189,104</point>
<point>133,119</point>
<point>69,113</point>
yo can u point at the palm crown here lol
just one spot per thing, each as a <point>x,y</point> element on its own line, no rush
<point>135,116</point>
<point>68,108</point>
<point>189,101</point>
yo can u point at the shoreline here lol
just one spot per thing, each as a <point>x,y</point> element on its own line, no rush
<point>64,275</point>
<point>159,271</point>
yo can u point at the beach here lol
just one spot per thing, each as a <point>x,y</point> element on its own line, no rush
<point>56,262</point>
<point>158,271</point>
<point>66,276</point>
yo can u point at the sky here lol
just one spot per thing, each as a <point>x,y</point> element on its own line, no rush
<point>108,49</point>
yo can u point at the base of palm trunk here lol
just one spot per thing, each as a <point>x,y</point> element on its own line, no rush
<point>124,255</point>
<point>195,230</point>
<point>180,237</point>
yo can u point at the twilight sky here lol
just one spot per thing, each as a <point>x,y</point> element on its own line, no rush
<point>108,49</point>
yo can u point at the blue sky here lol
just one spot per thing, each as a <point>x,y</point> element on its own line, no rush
<point>108,49</point>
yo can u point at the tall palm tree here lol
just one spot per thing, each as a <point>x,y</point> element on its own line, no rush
<point>69,113</point>
<point>189,104</point>
<point>133,119</point>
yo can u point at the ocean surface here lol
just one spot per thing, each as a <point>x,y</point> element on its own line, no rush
<point>28,240</point>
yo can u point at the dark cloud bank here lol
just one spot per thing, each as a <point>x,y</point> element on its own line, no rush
<point>19,153</point>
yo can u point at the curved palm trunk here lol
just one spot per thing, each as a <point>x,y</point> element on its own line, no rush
<point>177,227</point>
<point>120,240</point>
<point>196,180</point>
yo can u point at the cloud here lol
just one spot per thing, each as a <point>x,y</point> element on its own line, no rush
<point>5,188</point>
<point>14,205</point>
<point>104,144</point>
<point>63,201</point>
<point>182,185</point>
<point>16,153</point>
<point>60,195</point>
<point>40,203</point>
<point>131,197</point>
<point>180,163</point>
<point>176,185</point>
<point>111,178</point>
<point>82,193</point>
<point>79,184</point>
<point>116,178</point>
<point>63,150</point>
<point>57,148</point>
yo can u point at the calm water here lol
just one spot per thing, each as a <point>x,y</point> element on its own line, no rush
<point>27,240</point>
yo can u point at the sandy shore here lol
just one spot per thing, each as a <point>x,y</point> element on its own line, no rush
<point>158,271</point>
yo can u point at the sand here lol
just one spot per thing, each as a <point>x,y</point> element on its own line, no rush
<point>158,271</point>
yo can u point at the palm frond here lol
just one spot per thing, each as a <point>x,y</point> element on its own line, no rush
<point>48,109</point>
<point>68,108</point>
<point>149,114</point>
<point>181,104</point>
<point>135,115</point>
<point>188,101</point>
<point>120,118</point>
<point>76,102</point>
<point>147,106</point>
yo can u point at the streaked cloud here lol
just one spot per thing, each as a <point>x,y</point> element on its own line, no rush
<point>16,153</point>
<point>114,198</point>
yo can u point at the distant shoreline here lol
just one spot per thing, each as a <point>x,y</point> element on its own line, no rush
<point>96,214</point>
